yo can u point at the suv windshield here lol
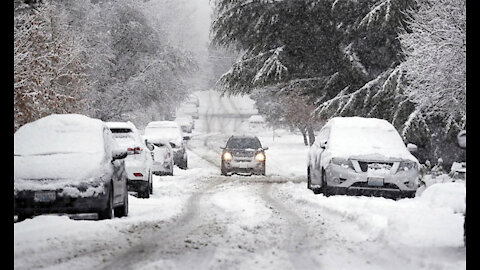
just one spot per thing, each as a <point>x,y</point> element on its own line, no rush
<point>243,143</point>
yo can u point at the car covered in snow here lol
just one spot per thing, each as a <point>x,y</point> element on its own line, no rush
<point>171,132</point>
<point>162,153</point>
<point>138,163</point>
<point>186,122</point>
<point>68,164</point>
<point>243,154</point>
<point>256,122</point>
<point>362,156</point>
<point>188,109</point>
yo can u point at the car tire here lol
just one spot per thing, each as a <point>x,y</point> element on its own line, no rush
<point>151,184</point>
<point>108,212</point>
<point>324,188</point>
<point>308,178</point>
<point>122,211</point>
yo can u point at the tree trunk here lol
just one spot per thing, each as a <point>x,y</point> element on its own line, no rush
<point>304,134</point>
<point>311,134</point>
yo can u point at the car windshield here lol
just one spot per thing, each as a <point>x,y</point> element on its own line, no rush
<point>243,143</point>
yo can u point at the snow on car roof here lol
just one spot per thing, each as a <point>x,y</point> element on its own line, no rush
<point>60,146</point>
<point>120,125</point>
<point>162,124</point>
<point>256,118</point>
<point>60,133</point>
<point>358,136</point>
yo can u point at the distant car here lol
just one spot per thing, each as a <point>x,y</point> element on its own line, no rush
<point>162,154</point>
<point>138,163</point>
<point>243,154</point>
<point>256,122</point>
<point>186,122</point>
<point>362,156</point>
<point>68,164</point>
<point>171,132</point>
<point>193,99</point>
<point>188,109</point>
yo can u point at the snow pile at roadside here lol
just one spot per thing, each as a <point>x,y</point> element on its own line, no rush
<point>433,219</point>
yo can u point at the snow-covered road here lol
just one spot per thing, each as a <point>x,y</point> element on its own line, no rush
<point>198,219</point>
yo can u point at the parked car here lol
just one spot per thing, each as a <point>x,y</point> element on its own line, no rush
<point>256,122</point>
<point>188,109</point>
<point>186,122</point>
<point>171,132</point>
<point>362,156</point>
<point>68,164</point>
<point>193,99</point>
<point>243,154</point>
<point>162,153</point>
<point>139,163</point>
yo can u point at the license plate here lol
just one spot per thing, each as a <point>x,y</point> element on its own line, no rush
<point>44,196</point>
<point>375,182</point>
<point>243,165</point>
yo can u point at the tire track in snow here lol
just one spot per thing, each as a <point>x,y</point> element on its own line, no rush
<point>296,231</point>
<point>156,242</point>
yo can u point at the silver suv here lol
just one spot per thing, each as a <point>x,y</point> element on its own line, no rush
<point>362,156</point>
<point>243,154</point>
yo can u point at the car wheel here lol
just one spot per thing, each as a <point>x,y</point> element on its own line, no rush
<point>324,188</point>
<point>108,212</point>
<point>151,184</point>
<point>122,211</point>
<point>308,178</point>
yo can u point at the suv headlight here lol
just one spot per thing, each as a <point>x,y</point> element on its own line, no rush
<point>344,163</point>
<point>260,157</point>
<point>227,156</point>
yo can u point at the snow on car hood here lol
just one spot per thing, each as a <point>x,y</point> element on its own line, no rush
<point>366,138</point>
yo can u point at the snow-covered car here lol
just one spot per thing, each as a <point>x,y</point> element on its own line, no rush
<point>186,122</point>
<point>193,99</point>
<point>243,154</point>
<point>68,164</point>
<point>256,122</point>
<point>138,163</point>
<point>188,109</point>
<point>162,153</point>
<point>171,132</point>
<point>362,156</point>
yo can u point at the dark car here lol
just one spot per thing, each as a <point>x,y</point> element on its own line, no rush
<point>243,154</point>
<point>68,164</point>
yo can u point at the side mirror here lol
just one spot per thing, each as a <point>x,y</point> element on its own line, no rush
<point>223,148</point>
<point>412,148</point>
<point>323,144</point>
<point>119,154</point>
<point>186,138</point>
<point>149,145</point>
<point>265,148</point>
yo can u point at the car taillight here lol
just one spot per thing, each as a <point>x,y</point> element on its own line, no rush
<point>135,150</point>
<point>137,174</point>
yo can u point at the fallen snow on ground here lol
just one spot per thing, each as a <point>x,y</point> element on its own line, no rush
<point>199,219</point>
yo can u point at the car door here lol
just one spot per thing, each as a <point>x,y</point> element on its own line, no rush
<point>119,175</point>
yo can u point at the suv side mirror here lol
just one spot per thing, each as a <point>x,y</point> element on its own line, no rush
<point>412,148</point>
<point>323,144</point>
<point>265,148</point>
<point>149,145</point>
